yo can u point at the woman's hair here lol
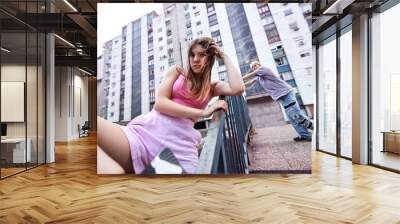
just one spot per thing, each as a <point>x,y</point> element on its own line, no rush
<point>201,86</point>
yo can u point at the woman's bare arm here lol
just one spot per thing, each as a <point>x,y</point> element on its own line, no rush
<point>165,105</point>
<point>236,85</point>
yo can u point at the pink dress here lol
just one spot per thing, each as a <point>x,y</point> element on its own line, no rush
<point>150,133</point>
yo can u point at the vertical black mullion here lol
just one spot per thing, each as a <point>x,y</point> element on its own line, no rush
<point>69,93</point>
<point>317,114</point>
<point>338,97</point>
<point>26,86</point>
<point>369,94</point>
<point>0,93</point>
<point>45,92</point>
<point>37,89</point>
<point>73,91</point>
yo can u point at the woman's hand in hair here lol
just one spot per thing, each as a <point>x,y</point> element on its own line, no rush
<point>217,50</point>
<point>219,104</point>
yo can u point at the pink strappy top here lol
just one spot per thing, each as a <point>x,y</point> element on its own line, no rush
<point>180,92</point>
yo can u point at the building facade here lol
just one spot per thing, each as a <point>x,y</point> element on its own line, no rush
<point>277,35</point>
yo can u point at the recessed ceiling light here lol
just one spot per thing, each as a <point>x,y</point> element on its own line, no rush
<point>86,72</point>
<point>70,5</point>
<point>64,40</point>
<point>5,50</point>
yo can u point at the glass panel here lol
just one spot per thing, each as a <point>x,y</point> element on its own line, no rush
<point>31,98</point>
<point>346,94</point>
<point>41,98</point>
<point>13,86</point>
<point>385,84</point>
<point>327,96</point>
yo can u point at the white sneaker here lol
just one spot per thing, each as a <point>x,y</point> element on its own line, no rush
<point>164,163</point>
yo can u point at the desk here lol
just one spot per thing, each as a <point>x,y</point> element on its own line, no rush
<point>391,141</point>
<point>15,148</point>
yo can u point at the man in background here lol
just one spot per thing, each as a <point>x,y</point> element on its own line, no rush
<point>282,92</point>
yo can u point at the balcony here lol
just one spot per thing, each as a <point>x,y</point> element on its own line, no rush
<point>283,68</point>
<point>278,53</point>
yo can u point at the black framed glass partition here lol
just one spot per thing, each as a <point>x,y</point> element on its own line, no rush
<point>345,99</point>
<point>22,78</point>
<point>385,89</point>
<point>334,93</point>
<point>326,104</point>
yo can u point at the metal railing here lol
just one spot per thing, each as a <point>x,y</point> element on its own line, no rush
<point>225,147</point>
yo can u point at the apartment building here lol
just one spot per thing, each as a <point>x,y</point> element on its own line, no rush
<point>136,61</point>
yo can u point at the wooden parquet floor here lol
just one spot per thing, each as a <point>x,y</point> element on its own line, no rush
<point>70,191</point>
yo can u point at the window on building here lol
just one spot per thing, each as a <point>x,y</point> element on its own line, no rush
<point>169,41</point>
<point>112,114</point>
<point>160,39</point>
<point>220,62</point>
<point>263,9</point>
<point>199,33</point>
<point>112,93</point>
<point>300,42</point>
<point>159,30</point>
<point>281,61</point>
<point>186,7</point>
<point>210,7</point>
<point>222,75</point>
<point>287,12</point>
<point>287,75</point>
<point>294,26</point>
<point>187,16</point>
<point>170,8</point>
<point>305,54</point>
<point>161,48</point>
<point>196,13</point>
<point>272,33</point>
<point>162,68</point>
<point>212,20</point>
<point>216,36</point>
<point>198,23</point>
<point>112,104</point>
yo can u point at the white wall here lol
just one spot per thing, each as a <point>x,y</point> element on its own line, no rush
<point>71,96</point>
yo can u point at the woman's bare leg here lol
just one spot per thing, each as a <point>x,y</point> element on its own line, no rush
<point>114,143</point>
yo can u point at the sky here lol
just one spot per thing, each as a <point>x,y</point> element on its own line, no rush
<point>111,17</point>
